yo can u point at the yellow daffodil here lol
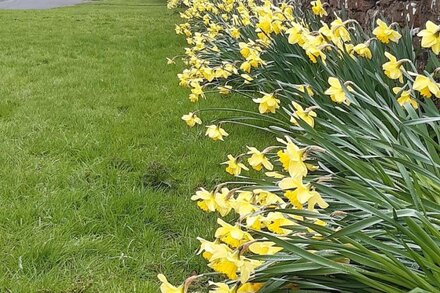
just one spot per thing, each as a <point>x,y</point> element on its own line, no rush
<point>205,200</point>
<point>246,66</point>
<point>255,222</point>
<point>231,235</point>
<point>266,198</point>
<point>385,33</point>
<point>245,50</point>
<point>243,204</point>
<point>318,8</point>
<point>276,221</point>
<point>225,265</point>
<point>268,103</point>
<point>313,47</point>
<point>264,248</point>
<point>302,193</point>
<point>258,160</point>
<point>213,250</point>
<point>339,30</point>
<point>336,92</point>
<point>405,98</point>
<point>216,132</point>
<point>363,50</point>
<point>191,119</point>
<point>234,168</point>
<point>431,37</point>
<point>166,287</point>
<point>234,32</point>
<point>295,34</point>
<point>306,115</point>
<point>426,86</point>
<point>292,159</point>
<point>223,201</point>
<point>393,68</point>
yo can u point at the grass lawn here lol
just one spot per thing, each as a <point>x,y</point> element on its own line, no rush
<point>96,166</point>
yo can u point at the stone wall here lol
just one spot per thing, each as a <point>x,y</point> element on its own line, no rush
<point>412,12</point>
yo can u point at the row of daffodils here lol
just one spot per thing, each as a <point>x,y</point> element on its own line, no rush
<point>358,148</point>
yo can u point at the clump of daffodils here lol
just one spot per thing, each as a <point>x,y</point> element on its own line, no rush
<point>252,31</point>
<point>231,252</point>
<point>233,47</point>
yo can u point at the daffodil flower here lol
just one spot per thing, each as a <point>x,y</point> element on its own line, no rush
<point>431,37</point>
<point>258,160</point>
<point>385,33</point>
<point>292,159</point>
<point>276,221</point>
<point>405,98</point>
<point>318,8</point>
<point>205,200</point>
<point>216,132</point>
<point>426,86</point>
<point>231,235</point>
<point>393,68</point>
<point>264,248</point>
<point>306,115</point>
<point>234,168</point>
<point>268,103</point>
<point>191,119</point>
<point>363,50</point>
<point>336,92</point>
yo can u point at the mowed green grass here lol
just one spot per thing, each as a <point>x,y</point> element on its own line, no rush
<point>96,167</point>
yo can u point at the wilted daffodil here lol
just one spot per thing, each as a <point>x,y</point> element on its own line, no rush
<point>318,8</point>
<point>405,98</point>
<point>307,115</point>
<point>268,103</point>
<point>431,37</point>
<point>216,132</point>
<point>166,287</point>
<point>336,92</point>
<point>191,119</point>
<point>393,68</point>
<point>258,160</point>
<point>234,167</point>
<point>426,86</point>
<point>385,33</point>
